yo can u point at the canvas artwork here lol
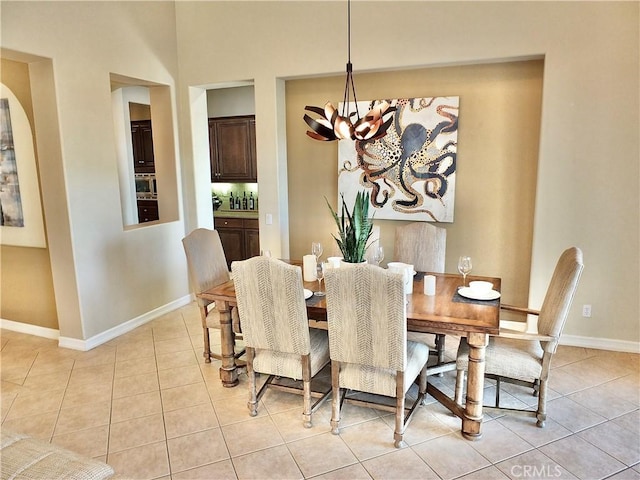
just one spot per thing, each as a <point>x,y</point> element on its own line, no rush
<point>410,173</point>
<point>10,201</point>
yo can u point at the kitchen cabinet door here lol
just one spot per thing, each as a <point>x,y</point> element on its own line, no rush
<point>232,147</point>
<point>142,142</point>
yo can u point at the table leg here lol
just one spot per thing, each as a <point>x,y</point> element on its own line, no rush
<point>472,419</point>
<point>228,373</point>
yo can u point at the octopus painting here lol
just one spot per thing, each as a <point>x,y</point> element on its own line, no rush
<point>411,170</point>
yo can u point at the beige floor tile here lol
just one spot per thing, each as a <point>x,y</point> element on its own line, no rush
<point>176,359</point>
<point>630,420</point>
<point>94,374</point>
<point>102,355</point>
<point>499,443</point>
<point>135,350</point>
<point>234,410</point>
<point>488,473</point>
<point>449,457</point>
<point>135,384</point>
<point>48,381</point>
<point>214,471</point>
<point>176,377</point>
<point>351,414</point>
<point>533,464</point>
<point>91,442</point>
<point>185,396</point>
<point>605,400</point>
<point>423,426</point>
<point>581,458</point>
<point>628,474</point>
<point>627,388</point>
<point>6,400</point>
<point>620,443</point>
<point>173,345</point>
<point>401,464</point>
<point>135,406</point>
<point>572,415</point>
<point>252,435</point>
<point>320,454</point>
<point>79,394</point>
<point>566,355</point>
<point>137,366</point>
<point>49,366</point>
<point>368,439</point>
<point>147,461</point>
<point>190,420</point>
<point>39,426</point>
<point>197,449</point>
<point>136,432</point>
<point>526,428</point>
<point>33,404</point>
<point>82,417</point>
<point>290,424</point>
<point>351,472</point>
<point>273,463</point>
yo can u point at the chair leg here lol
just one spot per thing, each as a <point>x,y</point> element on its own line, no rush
<point>306,385</point>
<point>497,392</point>
<point>207,347</point>
<point>440,349</point>
<point>335,396</point>
<point>542,404</point>
<point>398,434</point>
<point>459,386</point>
<point>252,404</point>
<point>423,385</point>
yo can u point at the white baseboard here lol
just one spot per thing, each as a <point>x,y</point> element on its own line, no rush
<point>29,329</point>
<point>99,339</point>
<point>600,343</point>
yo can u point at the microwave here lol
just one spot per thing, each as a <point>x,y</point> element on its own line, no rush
<point>146,186</point>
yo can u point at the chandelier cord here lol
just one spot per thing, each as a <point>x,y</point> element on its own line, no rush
<point>349,81</point>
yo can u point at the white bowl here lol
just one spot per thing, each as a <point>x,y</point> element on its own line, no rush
<point>481,287</point>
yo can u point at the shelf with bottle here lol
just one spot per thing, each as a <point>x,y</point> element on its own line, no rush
<point>236,197</point>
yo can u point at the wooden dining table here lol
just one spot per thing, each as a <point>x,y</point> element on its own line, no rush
<point>445,312</point>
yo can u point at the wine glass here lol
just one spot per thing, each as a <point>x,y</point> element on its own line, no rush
<point>316,249</point>
<point>378,254</point>
<point>464,267</point>
<point>320,275</point>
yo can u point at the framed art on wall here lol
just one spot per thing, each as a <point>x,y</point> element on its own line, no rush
<point>410,172</point>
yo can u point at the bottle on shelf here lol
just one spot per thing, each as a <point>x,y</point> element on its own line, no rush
<point>252,205</point>
<point>232,202</point>
<point>244,200</point>
<point>237,204</point>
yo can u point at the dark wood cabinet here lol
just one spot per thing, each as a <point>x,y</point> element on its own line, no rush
<point>142,141</point>
<point>240,237</point>
<point>148,211</point>
<point>232,146</point>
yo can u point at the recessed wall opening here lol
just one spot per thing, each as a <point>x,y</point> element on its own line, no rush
<point>145,151</point>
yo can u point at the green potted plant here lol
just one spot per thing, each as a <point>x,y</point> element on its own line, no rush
<point>354,227</point>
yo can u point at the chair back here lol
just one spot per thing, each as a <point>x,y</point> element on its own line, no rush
<point>560,293</point>
<point>206,262</point>
<point>422,245</point>
<point>366,315</point>
<point>271,305</point>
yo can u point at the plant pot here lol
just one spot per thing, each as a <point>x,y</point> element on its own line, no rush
<point>349,264</point>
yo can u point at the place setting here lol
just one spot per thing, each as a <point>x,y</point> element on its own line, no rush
<point>478,291</point>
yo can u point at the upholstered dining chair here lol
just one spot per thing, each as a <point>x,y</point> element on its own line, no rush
<point>367,322</point>
<point>424,246</point>
<point>525,358</point>
<point>207,268</point>
<point>275,326</point>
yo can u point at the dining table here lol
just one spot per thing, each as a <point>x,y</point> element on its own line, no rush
<point>447,312</point>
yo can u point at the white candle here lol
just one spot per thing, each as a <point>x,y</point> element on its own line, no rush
<point>309,268</point>
<point>429,285</point>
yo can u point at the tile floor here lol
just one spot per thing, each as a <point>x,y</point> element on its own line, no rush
<point>147,404</point>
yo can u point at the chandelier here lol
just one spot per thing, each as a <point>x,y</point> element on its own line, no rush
<point>338,126</point>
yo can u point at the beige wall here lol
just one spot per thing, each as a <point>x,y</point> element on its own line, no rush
<point>25,270</point>
<point>587,191</point>
<point>497,160</point>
